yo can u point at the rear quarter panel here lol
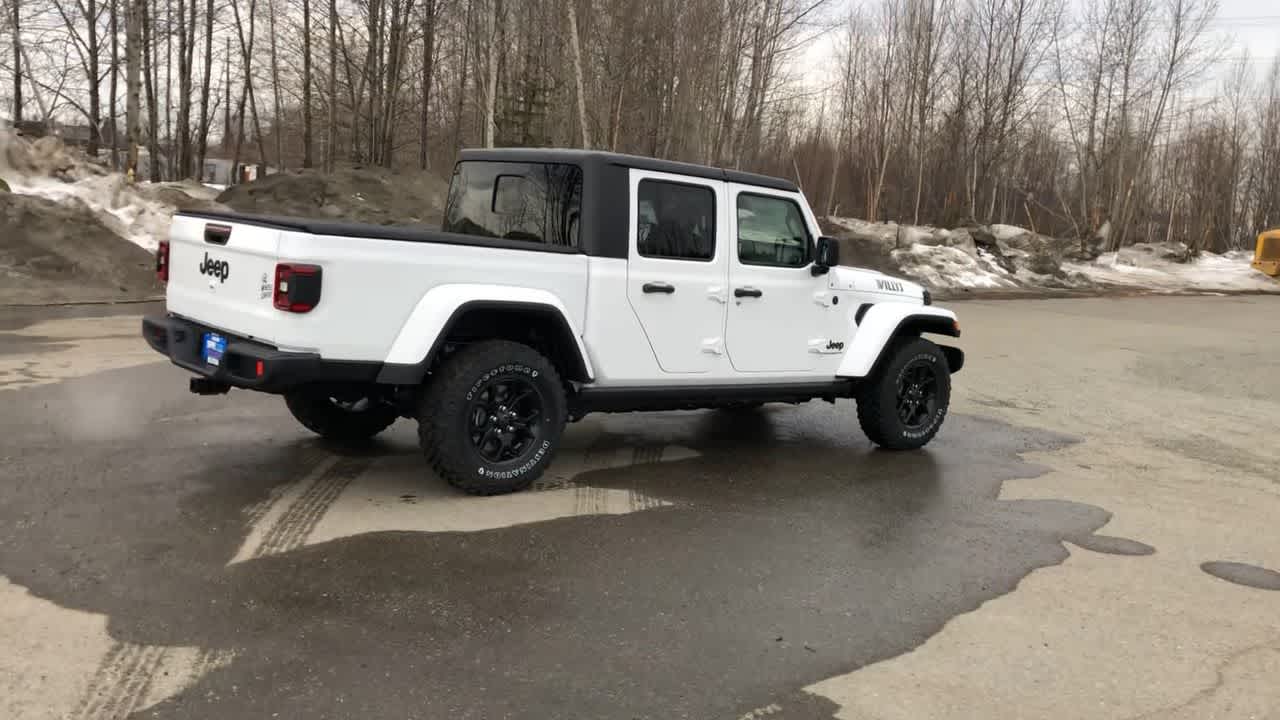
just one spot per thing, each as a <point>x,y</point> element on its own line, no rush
<point>372,287</point>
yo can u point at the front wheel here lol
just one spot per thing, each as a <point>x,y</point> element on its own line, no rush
<point>491,417</point>
<point>902,405</point>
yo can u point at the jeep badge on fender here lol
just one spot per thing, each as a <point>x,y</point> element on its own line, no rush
<point>220,269</point>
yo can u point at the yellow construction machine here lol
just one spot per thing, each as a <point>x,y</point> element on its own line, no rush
<point>1267,257</point>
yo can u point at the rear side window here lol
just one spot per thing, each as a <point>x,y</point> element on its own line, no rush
<point>535,202</point>
<point>675,220</point>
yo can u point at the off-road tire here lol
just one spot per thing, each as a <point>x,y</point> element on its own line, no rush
<point>878,396</point>
<point>315,408</point>
<point>446,407</point>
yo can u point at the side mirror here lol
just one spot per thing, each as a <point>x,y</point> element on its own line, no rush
<point>827,255</point>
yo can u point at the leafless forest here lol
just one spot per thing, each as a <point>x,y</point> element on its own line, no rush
<point>1104,119</point>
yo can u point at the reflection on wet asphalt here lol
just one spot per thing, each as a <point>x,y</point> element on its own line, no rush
<point>732,560</point>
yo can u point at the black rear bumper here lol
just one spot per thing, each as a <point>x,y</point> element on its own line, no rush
<point>246,363</point>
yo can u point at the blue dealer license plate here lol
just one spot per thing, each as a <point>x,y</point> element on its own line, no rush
<point>214,346</point>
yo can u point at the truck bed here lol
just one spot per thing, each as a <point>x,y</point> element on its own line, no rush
<point>401,233</point>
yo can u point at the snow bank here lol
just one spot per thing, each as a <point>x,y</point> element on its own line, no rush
<point>139,212</point>
<point>1008,257</point>
<point>1141,267</point>
<point>119,207</point>
<point>941,267</point>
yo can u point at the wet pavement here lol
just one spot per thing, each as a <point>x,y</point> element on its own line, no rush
<point>182,557</point>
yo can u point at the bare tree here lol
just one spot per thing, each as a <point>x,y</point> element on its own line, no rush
<point>494,17</point>
<point>112,86</point>
<point>577,73</point>
<point>150,72</point>
<point>275,82</point>
<point>17,60</point>
<point>331,124</point>
<point>429,9</point>
<point>206,81</point>
<point>306,84</point>
<point>133,82</point>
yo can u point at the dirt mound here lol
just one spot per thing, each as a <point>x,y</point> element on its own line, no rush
<point>60,252</point>
<point>352,194</point>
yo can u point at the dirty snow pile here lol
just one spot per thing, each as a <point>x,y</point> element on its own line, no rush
<point>71,231</point>
<point>1148,266</point>
<point>367,195</point>
<point>1010,258</point>
<point>139,212</point>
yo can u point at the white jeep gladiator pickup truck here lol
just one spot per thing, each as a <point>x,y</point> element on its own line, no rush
<point>563,282</point>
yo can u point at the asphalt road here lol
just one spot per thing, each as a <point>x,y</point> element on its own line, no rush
<point>1093,534</point>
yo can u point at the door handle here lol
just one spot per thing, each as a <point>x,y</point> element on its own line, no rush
<point>747,292</point>
<point>659,287</point>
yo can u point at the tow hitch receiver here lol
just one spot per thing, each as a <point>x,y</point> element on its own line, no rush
<point>205,386</point>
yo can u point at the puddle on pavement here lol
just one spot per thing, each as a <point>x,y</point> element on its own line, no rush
<point>1243,574</point>
<point>1113,545</point>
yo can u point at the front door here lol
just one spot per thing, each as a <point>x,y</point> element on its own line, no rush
<point>777,308</point>
<point>677,268</point>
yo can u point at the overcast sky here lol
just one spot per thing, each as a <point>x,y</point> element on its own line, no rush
<point>1248,28</point>
<point>1254,26</point>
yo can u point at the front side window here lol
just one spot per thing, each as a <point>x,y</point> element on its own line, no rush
<point>535,202</point>
<point>675,221</point>
<point>771,231</point>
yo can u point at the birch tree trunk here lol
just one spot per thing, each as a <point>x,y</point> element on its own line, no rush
<point>491,81</point>
<point>115,74</point>
<point>577,73</point>
<point>17,61</point>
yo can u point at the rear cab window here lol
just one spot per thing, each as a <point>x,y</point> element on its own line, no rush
<point>675,221</point>
<point>534,202</point>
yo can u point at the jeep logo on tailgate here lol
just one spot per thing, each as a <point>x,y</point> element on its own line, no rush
<point>220,269</point>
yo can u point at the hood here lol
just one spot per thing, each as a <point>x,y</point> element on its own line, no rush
<point>872,282</point>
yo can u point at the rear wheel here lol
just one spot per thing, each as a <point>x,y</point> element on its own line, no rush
<point>345,415</point>
<point>491,417</point>
<point>902,406</point>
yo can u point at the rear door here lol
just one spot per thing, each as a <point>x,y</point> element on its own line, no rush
<point>777,308</point>
<point>222,274</point>
<point>678,267</point>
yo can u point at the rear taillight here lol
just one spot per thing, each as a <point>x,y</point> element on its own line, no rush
<point>297,287</point>
<point>162,262</point>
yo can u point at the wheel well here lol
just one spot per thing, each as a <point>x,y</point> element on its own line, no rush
<point>541,327</point>
<point>917,325</point>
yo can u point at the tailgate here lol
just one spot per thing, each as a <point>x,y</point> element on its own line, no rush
<point>222,273</point>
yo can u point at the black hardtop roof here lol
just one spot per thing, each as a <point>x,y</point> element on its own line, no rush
<point>586,157</point>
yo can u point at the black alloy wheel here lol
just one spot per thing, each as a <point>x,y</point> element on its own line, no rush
<point>917,394</point>
<point>505,419</point>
